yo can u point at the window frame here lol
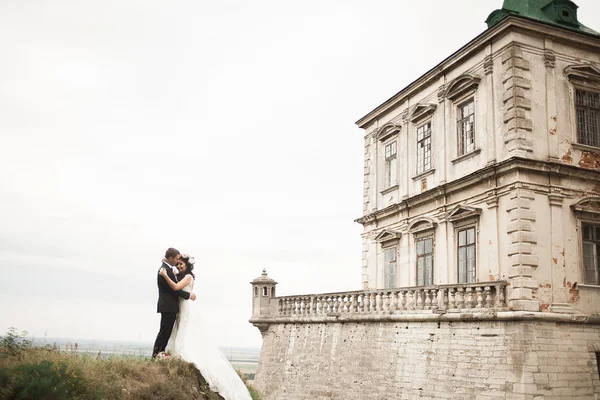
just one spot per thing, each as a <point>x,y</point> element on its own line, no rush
<point>582,241</point>
<point>578,135</point>
<point>422,238</point>
<point>387,181</point>
<point>393,248</point>
<point>460,104</point>
<point>457,231</point>
<point>420,171</point>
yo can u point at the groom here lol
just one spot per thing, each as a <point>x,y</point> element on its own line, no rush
<point>168,301</point>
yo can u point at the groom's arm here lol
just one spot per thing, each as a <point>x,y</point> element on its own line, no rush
<point>179,293</point>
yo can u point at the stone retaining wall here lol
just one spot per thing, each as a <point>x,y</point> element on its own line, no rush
<point>483,359</point>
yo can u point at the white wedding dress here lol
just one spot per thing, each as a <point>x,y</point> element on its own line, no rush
<point>190,342</point>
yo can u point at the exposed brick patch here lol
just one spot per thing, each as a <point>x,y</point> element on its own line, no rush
<point>589,160</point>
<point>568,157</point>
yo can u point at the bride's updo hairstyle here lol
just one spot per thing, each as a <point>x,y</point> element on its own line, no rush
<point>189,266</point>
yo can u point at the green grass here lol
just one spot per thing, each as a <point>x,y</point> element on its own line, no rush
<point>27,372</point>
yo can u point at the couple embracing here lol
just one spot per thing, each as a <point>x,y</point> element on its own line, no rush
<point>183,333</point>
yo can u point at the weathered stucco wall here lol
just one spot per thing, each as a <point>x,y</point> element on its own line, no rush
<point>534,360</point>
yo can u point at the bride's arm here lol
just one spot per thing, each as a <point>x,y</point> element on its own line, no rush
<point>176,286</point>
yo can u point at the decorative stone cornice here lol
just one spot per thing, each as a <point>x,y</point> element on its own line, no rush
<point>421,111</point>
<point>589,205</point>
<point>462,212</point>
<point>387,235</point>
<point>462,85</point>
<point>586,72</point>
<point>421,224</point>
<point>386,131</point>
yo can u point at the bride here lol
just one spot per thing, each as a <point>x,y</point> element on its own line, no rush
<point>189,342</point>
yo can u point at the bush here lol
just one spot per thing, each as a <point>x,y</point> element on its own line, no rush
<point>14,342</point>
<point>47,380</point>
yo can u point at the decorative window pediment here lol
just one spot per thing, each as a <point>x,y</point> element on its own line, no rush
<point>386,131</point>
<point>590,205</point>
<point>463,84</point>
<point>422,224</point>
<point>587,72</point>
<point>462,212</point>
<point>421,111</point>
<point>387,235</point>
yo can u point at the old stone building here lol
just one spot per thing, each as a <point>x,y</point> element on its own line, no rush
<point>481,243</point>
<point>486,167</point>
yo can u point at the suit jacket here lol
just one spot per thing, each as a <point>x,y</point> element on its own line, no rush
<point>168,299</point>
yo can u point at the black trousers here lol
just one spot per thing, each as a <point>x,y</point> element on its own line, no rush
<point>167,321</point>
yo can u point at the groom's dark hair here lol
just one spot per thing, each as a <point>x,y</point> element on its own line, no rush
<point>171,252</point>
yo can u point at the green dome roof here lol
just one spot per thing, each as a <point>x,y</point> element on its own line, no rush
<point>561,13</point>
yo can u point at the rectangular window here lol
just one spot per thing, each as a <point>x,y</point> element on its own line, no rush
<point>424,148</point>
<point>466,127</point>
<point>391,167</point>
<point>587,106</point>
<point>389,268</point>
<point>425,261</point>
<point>591,253</point>
<point>598,363</point>
<point>466,255</point>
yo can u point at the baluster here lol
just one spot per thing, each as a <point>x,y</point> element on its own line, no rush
<point>460,300</point>
<point>451,300</point>
<point>410,300</point>
<point>469,301</point>
<point>427,299</point>
<point>366,304</point>
<point>280,307</point>
<point>394,302</point>
<point>372,301</point>
<point>353,303</point>
<point>419,299</point>
<point>285,307</point>
<point>401,300</point>
<point>292,308</point>
<point>385,297</point>
<point>488,297</point>
<point>479,291</point>
<point>435,299</point>
<point>500,296</point>
<point>347,303</point>
<point>308,305</point>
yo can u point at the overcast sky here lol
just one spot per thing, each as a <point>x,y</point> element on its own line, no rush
<point>222,128</point>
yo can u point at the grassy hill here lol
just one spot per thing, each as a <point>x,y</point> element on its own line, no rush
<point>28,372</point>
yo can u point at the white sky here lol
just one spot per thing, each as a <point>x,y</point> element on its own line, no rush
<point>222,128</point>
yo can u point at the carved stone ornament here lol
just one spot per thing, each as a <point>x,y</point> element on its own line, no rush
<point>488,65</point>
<point>549,58</point>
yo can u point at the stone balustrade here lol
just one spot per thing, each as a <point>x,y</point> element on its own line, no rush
<point>471,297</point>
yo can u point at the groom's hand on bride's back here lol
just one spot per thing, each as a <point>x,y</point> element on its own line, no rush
<point>192,296</point>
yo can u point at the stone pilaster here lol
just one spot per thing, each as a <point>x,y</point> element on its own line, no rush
<point>366,174</point>
<point>517,102</point>
<point>365,261</point>
<point>551,110</point>
<point>522,251</point>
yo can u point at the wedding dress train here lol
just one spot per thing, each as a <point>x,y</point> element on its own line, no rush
<point>190,342</point>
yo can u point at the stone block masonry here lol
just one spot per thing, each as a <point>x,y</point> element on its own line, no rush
<point>513,359</point>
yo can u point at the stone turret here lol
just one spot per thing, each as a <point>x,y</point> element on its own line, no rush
<point>263,291</point>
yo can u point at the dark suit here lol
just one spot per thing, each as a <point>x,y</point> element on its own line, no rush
<point>168,307</point>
